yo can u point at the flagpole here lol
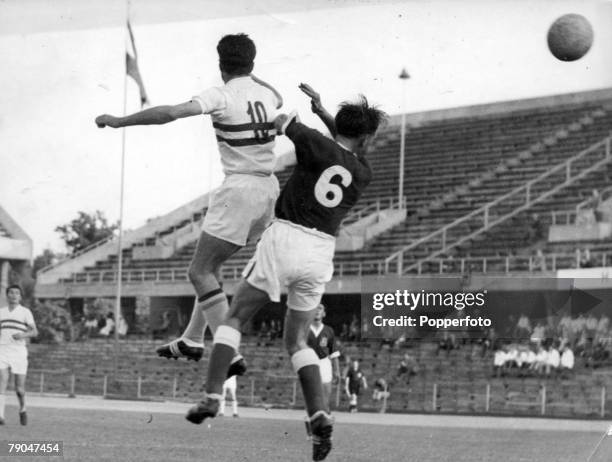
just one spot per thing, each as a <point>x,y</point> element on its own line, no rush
<point>120,237</point>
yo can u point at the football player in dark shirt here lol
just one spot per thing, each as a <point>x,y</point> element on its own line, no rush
<point>296,251</point>
<point>353,383</point>
<point>322,340</point>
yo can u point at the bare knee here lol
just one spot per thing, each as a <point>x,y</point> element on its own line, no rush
<point>20,391</point>
<point>198,273</point>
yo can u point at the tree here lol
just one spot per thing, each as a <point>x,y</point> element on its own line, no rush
<point>85,230</point>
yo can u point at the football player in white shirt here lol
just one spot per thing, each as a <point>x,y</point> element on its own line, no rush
<point>16,325</point>
<point>242,111</point>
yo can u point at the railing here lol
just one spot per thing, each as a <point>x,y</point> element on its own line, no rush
<point>95,245</point>
<point>144,275</point>
<point>511,264</point>
<point>374,206</point>
<point>259,390</point>
<point>496,211</point>
<point>568,217</point>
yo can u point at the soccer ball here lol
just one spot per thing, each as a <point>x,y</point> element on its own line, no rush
<point>570,37</point>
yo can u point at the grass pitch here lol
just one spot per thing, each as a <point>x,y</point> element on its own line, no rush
<point>111,435</point>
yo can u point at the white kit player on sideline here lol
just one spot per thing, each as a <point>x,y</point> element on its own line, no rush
<point>16,325</point>
<point>242,111</point>
<point>322,340</point>
<point>229,386</point>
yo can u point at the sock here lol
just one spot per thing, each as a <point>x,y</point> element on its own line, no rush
<point>2,401</point>
<point>306,364</point>
<point>235,406</point>
<point>215,307</point>
<point>197,324</point>
<point>21,399</point>
<point>222,406</point>
<point>225,344</point>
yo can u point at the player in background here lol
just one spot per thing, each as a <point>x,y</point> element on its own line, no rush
<point>353,382</point>
<point>322,340</point>
<point>297,251</point>
<point>16,325</point>
<point>229,386</point>
<point>242,112</point>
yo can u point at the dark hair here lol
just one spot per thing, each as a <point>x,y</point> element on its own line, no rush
<point>359,118</point>
<point>14,286</point>
<point>236,54</point>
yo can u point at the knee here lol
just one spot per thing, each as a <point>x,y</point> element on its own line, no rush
<point>20,391</point>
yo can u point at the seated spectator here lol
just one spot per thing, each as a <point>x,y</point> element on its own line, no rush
<point>541,360</point>
<point>523,328</point>
<point>90,326</point>
<point>447,342</point>
<point>553,360</point>
<point>408,367</point>
<point>499,361</point>
<point>538,335</point>
<point>567,359</point>
<point>585,260</point>
<point>162,330</point>
<point>109,325</point>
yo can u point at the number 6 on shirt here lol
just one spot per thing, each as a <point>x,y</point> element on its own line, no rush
<point>327,193</point>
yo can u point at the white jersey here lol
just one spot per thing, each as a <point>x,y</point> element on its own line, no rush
<point>243,115</point>
<point>12,322</point>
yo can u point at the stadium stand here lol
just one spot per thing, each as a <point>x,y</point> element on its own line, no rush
<point>453,166</point>
<point>15,249</point>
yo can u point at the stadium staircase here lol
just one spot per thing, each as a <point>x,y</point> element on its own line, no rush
<point>458,382</point>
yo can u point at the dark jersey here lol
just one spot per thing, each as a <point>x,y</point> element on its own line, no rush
<point>326,182</point>
<point>355,378</point>
<point>323,343</point>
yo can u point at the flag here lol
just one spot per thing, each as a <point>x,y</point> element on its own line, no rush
<point>131,67</point>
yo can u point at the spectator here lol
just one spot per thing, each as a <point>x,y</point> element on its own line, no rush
<point>553,360</point>
<point>499,361</point>
<point>408,367</point>
<point>585,259</point>
<point>90,325</point>
<point>162,330</point>
<point>109,325</point>
<point>541,361</point>
<point>567,359</point>
<point>523,327</point>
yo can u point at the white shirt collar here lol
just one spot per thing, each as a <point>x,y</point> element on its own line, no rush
<point>316,331</point>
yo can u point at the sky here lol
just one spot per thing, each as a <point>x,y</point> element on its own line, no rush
<point>64,63</point>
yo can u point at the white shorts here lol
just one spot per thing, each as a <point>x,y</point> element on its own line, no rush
<point>293,257</point>
<point>325,366</point>
<point>14,357</point>
<point>241,208</point>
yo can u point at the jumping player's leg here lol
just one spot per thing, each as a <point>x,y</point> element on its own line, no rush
<point>4,378</point>
<point>20,380</point>
<point>246,302</point>
<point>211,306</point>
<point>326,379</point>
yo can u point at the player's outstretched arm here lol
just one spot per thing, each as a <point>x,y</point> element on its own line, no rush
<point>263,83</point>
<point>157,115</point>
<point>318,109</point>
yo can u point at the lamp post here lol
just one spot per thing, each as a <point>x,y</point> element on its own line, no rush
<point>404,78</point>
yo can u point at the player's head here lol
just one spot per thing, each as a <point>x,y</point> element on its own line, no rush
<point>14,293</point>
<point>358,121</point>
<point>236,54</point>
<point>320,313</point>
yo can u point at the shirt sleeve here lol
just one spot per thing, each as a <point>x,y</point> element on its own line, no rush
<point>310,145</point>
<point>212,101</point>
<point>333,349</point>
<point>29,318</point>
